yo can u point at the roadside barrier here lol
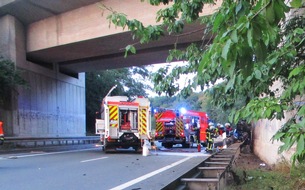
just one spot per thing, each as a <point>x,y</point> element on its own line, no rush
<point>215,172</point>
<point>212,174</point>
<point>49,141</point>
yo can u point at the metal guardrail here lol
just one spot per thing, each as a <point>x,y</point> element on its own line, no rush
<point>194,174</point>
<point>49,141</point>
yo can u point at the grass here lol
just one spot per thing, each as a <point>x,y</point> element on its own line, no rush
<point>280,177</point>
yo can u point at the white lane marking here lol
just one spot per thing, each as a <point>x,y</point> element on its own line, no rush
<point>137,180</point>
<point>191,154</point>
<point>48,153</point>
<point>93,159</point>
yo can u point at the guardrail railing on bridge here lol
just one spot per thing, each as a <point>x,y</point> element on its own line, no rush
<point>49,141</point>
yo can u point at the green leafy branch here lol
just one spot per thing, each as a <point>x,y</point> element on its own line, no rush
<point>254,47</point>
<point>10,78</point>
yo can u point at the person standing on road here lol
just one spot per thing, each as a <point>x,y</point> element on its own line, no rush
<point>228,129</point>
<point>209,137</point>
<point>220,129</point>
<point>196,129</point>
<point>1,133</point>
<point>187,130</point>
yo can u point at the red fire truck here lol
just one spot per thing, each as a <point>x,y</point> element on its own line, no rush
<point>181,127</point>
<point>124,123</point>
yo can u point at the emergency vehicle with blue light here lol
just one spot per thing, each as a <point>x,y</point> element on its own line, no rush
<point>183,127</point>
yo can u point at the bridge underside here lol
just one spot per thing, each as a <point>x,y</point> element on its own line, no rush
<point>55,42</point>
<point>74,35</point>
<point>108,52</point>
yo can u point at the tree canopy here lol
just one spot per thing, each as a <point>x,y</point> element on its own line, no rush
<point>10,78</point>
<point>192,102</point>
<point>255,46</point>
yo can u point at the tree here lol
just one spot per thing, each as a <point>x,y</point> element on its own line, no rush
<point>100,82</point>
<point>254,47</point>
<point>10,78</point>
<point>192,102</point>
<point>162,102</point>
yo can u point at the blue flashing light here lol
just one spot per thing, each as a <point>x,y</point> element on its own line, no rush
<point>183,110</point>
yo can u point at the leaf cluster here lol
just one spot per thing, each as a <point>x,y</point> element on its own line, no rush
<point>10,78</point>
<point>192,102</point>
<point>257,52</point>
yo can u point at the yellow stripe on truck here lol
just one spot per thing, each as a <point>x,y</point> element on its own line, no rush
<point>179,126</point>
<point>113,116</point>
<point>143,121</point>
<point>159,125</point>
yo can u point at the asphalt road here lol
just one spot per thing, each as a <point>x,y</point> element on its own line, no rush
<point>90,168</point>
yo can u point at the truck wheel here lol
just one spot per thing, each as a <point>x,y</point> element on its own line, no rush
<point>109,149</point>
<point>168,145</point>
<point>106,149</point>
<point>185,145</point>
<point>138,149</point>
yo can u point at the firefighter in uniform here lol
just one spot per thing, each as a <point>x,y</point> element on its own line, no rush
<point>209,137</point>
<point>187,130</point>
<point>197,131</point>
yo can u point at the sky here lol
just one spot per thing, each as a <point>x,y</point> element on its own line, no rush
<point>182,81</point>
<point>183,78</point>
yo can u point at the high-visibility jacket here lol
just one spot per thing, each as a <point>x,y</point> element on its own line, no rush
<point>209,134</point>
<point>1,129</point>
<point>1,133</point>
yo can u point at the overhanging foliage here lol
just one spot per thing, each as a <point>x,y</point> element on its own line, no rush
<point>255,46</point>
<point>10,78</point>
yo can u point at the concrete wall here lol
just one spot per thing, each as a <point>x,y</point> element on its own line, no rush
<point>73,26</point>
<point>53,104</point>
<point>50,107</point>
<point>264,148</point>
<point>265,129</point>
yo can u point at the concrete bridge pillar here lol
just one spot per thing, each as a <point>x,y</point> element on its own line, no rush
<point>54,103</point>
<point>11,43</point>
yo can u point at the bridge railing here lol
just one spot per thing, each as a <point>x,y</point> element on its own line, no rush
<point>49,141</point>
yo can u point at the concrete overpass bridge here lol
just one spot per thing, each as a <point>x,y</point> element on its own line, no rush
<point>56,42</point>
